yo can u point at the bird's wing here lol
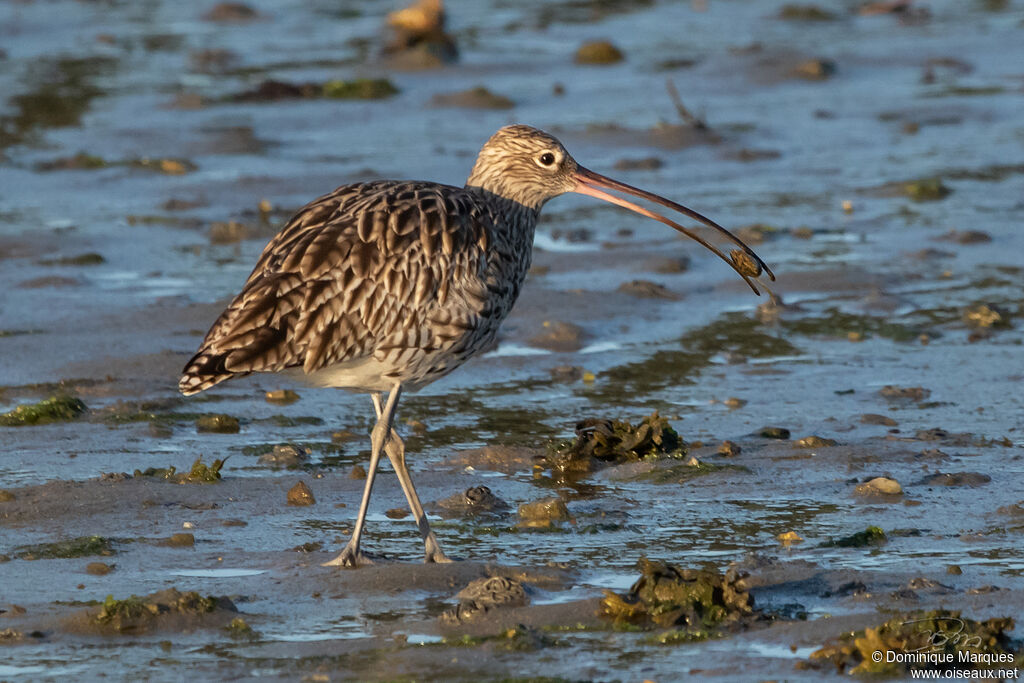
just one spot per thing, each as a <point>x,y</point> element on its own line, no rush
<point>353,269</point>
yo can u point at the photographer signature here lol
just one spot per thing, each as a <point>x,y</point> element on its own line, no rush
<point>952,633</point>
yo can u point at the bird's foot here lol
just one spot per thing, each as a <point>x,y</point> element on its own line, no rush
<point>349,557</point>
<point>434,554</point>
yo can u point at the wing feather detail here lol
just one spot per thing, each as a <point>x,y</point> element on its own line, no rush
<point>353,274</point>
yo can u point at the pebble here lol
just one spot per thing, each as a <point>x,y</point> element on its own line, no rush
<point>98,568</point>
<point>358,472</point>
<point>729,449</point>
<point>774,432</point>
<point>814,442</point>
<point>300,495</point>
<point>880,486</point>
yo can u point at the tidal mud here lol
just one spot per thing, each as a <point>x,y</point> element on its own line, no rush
<point>843,456</point>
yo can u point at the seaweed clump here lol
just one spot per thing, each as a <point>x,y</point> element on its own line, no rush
<point>135,614</point>
<point>604,441</point>
<point>57,408</point>
<point>201,473</point>
<point>933,640</point>
<point>82,546</point>
<point>695,603</point>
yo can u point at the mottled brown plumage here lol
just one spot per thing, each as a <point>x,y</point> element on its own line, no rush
<point>388,285</point>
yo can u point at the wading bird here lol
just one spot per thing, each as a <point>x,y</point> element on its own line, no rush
<point>386,286</point>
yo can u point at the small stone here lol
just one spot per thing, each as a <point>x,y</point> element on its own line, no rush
<point>732,403</point>
<point>559,336</point>
<point>729,449</point>
<point>284,455</point>
<point>6,496</point>
<point>358,472</point>
<point>98,568</point>
<point>599,52</point>
<point>228,232</point>
<point>880,486</point>
<point>956,479</point>
<point>300,495</point>
<point>847,206</point>
<point>566,373</point>
<point>876,419</point>
<point>646,289</point>
<point>692,461</point>
<point>218,424</point>
<point>954,569</point>
<point>986,316</point>
<point>396,513</point>
<point>896,393</point>
<point>789,538</point>
<point>815,69</point>
<point>543,513</point>
<point>814,442</point>
<point>234,522</point>
<point>180,540</point>
<point>282,397</point>
<point>231,11</point>
<point>775,433</point>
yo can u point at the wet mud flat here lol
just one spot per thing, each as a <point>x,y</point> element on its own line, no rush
<point>654,475</point>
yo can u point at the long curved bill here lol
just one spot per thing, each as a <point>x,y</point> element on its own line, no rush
<point>743,260</point>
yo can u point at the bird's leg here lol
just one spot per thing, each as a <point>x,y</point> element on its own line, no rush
<point>395,449</point>
<point>351,556</point>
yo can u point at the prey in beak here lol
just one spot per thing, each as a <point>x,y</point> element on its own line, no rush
<point>743,260</point>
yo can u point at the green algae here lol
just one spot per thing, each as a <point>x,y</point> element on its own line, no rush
<point>835,323</point>
<point>135,614</point>
<point>58,408</point>
<point>968,644</point>
<point>200,473</point>
<point>872,536</point>
<point>218,424</point>
<point>926,190</point>
<point>732,333</point>
<point>82,546</point>
<point>696,604</point>
<point>238,628</point>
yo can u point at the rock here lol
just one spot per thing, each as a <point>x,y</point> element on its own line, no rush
<point>300,495</point>
<point>926,190</point>
<point>473,501</point>
<point>815,69</point>
<point>566,373</point>
<point>229,232</point>
<point>789,538</point>
<point>956,479</point>
<point>875,419</point>
<point>954,569</point>
<point>474,98</point>
<point>649,290</point>
<point>805,13</point>
<point>181,540</point>
<point>733,403</point>
<point>219,424</point>
<point>729,449</point>
<point>284,455</point>
<point>986,316</point>
<point>558,336</point>
<point>543,513</point>
<point>358,472</point>
<point>599,52</point>
<point>281,397</point>
<point>98,568</point>
<point>879,486</point>
<point>6,496</point>
<point>814,442</point>
<point>896,393</point>
<point>774,432</point>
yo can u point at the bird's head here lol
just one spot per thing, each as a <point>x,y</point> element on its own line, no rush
<point>525,165</point>
<point>528,166</point>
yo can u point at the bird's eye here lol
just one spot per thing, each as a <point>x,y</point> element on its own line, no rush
<point>546,159</point>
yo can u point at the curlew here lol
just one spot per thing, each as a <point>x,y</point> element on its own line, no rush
<point>385,286</point>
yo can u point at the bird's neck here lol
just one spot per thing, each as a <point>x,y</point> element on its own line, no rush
<point>505,202</point>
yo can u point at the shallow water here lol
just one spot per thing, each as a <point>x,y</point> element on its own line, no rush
<point>936,98</point>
